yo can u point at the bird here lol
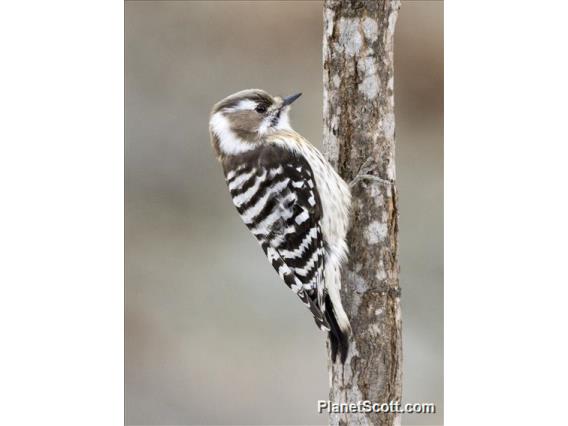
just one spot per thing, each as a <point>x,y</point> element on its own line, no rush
<point>291,199</point>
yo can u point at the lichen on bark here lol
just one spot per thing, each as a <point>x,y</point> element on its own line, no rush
<point>359,140</point>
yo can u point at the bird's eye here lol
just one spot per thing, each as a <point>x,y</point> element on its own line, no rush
<point>261,109</point>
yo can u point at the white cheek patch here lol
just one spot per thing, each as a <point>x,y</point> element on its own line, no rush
<point>229,143</point>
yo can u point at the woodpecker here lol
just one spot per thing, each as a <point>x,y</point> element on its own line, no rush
<point>290,198</point>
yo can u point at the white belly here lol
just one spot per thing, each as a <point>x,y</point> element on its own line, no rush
<point>333,191</point>
<point>335,199</point>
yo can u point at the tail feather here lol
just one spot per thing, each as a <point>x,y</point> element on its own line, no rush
<point>319,318</point>
<point>334,344</point>
<point>338,338</point>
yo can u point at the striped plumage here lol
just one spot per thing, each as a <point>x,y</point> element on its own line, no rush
<point>277,204</point>
<point>290,198</point>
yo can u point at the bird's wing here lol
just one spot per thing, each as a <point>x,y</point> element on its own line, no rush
<point>277,199</point>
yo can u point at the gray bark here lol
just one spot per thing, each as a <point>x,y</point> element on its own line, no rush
<point>359,141</point>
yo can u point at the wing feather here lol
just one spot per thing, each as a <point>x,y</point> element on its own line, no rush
<point>279,203</point>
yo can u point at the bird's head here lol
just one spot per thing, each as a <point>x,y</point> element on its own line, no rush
<point>239,122</point>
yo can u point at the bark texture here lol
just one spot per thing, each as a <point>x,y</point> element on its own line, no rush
<point>359,140</point>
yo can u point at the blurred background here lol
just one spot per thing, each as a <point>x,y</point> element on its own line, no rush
<point>212,335</point>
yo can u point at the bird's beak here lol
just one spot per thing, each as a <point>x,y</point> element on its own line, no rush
<point>289,99</point>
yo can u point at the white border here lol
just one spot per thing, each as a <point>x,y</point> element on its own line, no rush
<point>506,212</point>
<point>61,174</point>
<point>61,215</point>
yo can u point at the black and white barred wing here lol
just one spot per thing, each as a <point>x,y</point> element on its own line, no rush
<point>280,205</point>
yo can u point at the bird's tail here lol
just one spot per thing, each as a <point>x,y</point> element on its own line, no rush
<point>338,335</point>
<point>340,332</point>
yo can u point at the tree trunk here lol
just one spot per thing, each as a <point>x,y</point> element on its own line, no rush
<point>358,140</point>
